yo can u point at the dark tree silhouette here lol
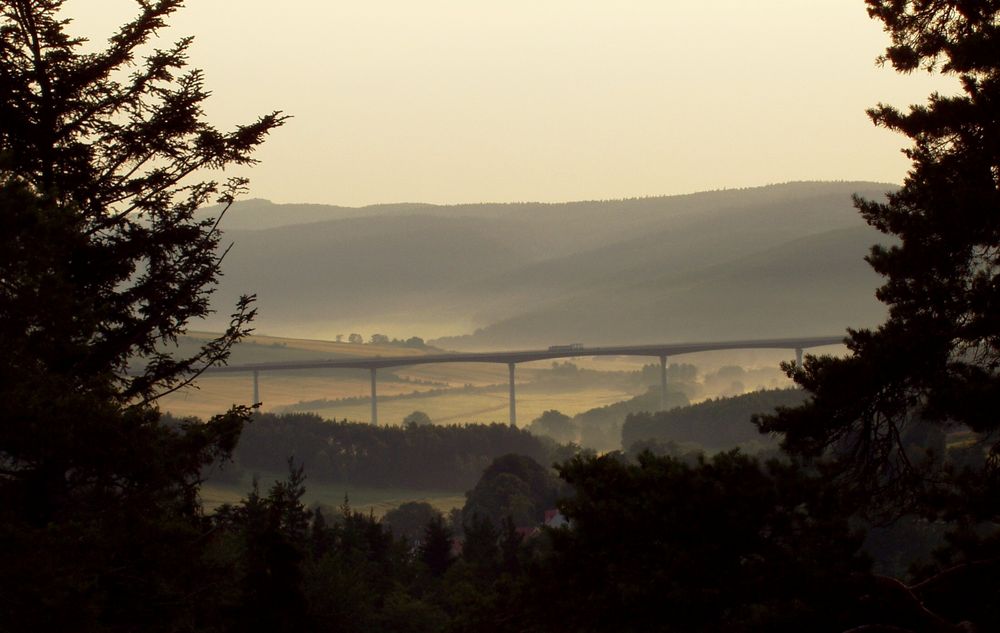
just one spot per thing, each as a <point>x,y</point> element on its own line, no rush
<point>723,545</point>
<point>932,367</point>
<point>935,359</point>
<point>435,548</point>
<point>513,486</point>
<point>409,520</point>
<point>102,266</point>
<point>480,547</point>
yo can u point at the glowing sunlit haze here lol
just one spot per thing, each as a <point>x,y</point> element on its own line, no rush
<point>448,101</point>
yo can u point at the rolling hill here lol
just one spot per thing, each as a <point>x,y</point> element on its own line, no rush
<point>780,260</point>
<point>818,283</point>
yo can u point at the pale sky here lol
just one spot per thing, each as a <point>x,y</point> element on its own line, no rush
<point>449,101</point>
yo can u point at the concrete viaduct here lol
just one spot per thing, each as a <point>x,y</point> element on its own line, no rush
<point>511,359</point>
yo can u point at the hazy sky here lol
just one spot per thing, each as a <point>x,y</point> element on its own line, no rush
<point>466,101</point>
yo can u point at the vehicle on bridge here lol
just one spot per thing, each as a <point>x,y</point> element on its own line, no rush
<point>566,348</point>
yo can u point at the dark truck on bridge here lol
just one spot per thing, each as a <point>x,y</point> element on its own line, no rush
<point>566,348</point>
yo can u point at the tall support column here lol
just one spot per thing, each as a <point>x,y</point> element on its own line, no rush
<point>374,401</point>
<point>512,417</point>
<point>798,357</point>
<point>663,383</point>
<point>256,387</point>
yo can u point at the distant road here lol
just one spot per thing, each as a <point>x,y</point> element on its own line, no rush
<point>658,350</point>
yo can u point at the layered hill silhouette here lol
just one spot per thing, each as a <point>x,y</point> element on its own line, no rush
<point>781,260</point>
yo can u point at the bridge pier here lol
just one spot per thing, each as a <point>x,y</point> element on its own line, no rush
<point>374,401</point>
<point>512,416</point>
<point>663,383</point>
<point>256,387</point>
<point>798,357</point>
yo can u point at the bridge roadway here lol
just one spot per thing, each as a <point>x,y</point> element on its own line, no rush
<point>511,359</point>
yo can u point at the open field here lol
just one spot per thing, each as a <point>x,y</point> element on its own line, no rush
<point>278,392</point>
<point>330,496</point>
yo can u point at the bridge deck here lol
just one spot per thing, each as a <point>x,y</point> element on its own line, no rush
<point>666,349</point>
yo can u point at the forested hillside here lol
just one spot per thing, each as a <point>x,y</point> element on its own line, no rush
<point>779,260</point>
<point>713,425</point>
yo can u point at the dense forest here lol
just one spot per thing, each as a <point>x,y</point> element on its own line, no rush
<point>713,425</point>
<point>453,457</point>
<point>411,456</point>
<point>880,514</point>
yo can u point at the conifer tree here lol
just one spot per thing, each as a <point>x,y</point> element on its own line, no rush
<point>103,264</point>
<point>435,548</point>
<point>935,360</point>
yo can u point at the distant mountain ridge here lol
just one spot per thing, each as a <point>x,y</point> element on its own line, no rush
<point>780,260</point>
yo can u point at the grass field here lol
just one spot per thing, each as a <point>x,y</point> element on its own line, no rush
<point>330,496</point>
<point>217,393</point>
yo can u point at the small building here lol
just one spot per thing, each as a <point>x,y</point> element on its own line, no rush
<point>555,519</point>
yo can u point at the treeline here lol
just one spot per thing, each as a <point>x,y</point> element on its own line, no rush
<point>600,428</point>
<point>276,565</point>
<point>381,339</point>
<point>411,456</point>
<point>715,425</point>
<point>726,544</point>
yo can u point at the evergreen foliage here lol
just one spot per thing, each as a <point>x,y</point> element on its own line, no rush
<point>725,545</point>
<point>435,547</point>
<point>102,265</point>
<point>933,367</point>
<point>936,359</point>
